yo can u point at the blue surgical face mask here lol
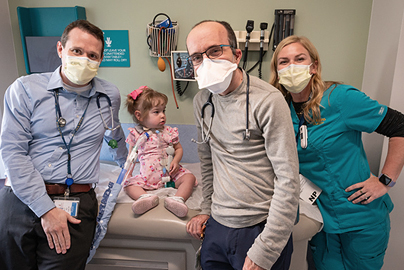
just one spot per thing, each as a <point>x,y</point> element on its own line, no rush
<point>295,77</point>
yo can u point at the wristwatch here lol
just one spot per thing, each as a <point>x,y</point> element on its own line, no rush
<point>386,180</point>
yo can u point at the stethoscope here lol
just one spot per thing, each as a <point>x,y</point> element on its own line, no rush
<point>110,109</point>
<point>61,122</point>
<point>206,135</point>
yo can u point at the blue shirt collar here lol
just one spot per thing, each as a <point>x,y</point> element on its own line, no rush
<point>56,82</point>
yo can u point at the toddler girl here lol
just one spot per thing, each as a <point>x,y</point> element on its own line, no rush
<point>147,108</point>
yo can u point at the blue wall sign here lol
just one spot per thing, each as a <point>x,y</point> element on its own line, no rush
<point>116,48</point>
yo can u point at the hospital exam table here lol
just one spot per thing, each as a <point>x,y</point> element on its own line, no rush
<point>158,239</point>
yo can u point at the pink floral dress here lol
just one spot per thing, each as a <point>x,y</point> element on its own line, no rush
<point>150,155</point>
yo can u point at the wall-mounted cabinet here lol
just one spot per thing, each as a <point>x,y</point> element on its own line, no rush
<point>40,29</point>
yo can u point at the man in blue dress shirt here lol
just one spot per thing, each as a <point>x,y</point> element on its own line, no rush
<point>52,133</point>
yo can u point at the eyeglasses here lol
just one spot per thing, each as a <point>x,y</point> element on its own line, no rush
<point>212,53</point>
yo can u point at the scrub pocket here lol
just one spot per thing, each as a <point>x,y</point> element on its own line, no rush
<point>369,246</point>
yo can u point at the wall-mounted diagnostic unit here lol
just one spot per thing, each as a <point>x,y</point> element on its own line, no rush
<point>254,41</point>
<point>181,67</point>
<point>284,25</point>
<point>260,40</point>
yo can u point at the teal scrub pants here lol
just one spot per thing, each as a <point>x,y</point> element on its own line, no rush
<point>362,249</point>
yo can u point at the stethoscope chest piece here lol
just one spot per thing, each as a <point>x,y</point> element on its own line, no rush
<point>62,122</point>
<point>113,144</point>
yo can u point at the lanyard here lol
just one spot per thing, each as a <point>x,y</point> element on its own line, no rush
<point>69,179</point>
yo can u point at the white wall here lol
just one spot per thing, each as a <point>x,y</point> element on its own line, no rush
<point>394,258</point>
<point>384,33</point>
<point>8,63</point>
<point>383,80</point>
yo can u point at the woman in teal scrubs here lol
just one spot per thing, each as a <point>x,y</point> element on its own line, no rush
<point>329,119</point>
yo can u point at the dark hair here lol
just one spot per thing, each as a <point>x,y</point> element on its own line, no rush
<point>86,26</point>
<point>148,99</point>
<point>231,36</point>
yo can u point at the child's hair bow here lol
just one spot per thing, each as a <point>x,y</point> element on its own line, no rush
<point>135,93</point>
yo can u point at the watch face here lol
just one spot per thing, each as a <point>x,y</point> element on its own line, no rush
<point>385,179</point>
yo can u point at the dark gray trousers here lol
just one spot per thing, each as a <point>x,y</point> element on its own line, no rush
<point>23,243</point>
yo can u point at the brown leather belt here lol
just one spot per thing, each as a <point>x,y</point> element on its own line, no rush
<point>54,189</point>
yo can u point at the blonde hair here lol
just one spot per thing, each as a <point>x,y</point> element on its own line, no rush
<point>145,101</point>
<point>312,109</point>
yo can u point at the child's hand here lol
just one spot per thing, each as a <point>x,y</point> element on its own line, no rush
<point>174,167</point>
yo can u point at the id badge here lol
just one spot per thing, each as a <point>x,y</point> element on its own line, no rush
<point>309,192</point>
<point>69,204</point>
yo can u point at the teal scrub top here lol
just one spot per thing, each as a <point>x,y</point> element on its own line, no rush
<point>335,158</point>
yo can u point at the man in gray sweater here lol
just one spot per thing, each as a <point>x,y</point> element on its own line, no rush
<point>248,159</point>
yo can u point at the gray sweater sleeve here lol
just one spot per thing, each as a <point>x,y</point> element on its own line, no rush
<point>277,128</point>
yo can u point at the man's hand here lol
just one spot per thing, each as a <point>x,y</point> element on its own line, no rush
<point>54,224</point>
<point>194,226</point>
<point>250,265</point>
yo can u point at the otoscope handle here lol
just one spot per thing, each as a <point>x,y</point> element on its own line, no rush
<point>263,26</point>
<point>249,27</point>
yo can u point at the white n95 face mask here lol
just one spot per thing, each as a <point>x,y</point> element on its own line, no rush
<point>215,75</point>
<point>295,77</point>
<point>80,70</point>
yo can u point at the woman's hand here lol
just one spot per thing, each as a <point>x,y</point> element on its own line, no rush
<point>367,191</point>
